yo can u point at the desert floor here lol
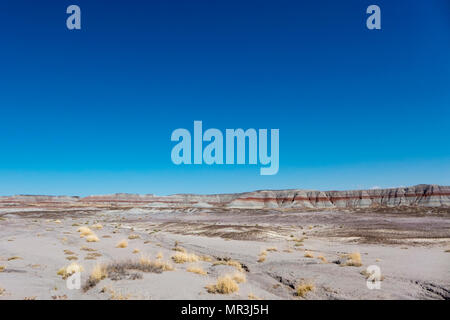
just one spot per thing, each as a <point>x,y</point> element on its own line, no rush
<point>268,254</point>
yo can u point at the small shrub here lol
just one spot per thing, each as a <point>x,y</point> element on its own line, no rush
<point>122,244</point>
<point>302,289</point>
<point>84,231</point>
<point>182,257</point>
<point>70,258</point>
<point>251,296</point>
<point>14,258</point>
<point>224,285</point>
<point>353,259</point>
<point>196,269</point>
<point>84,248</point>
<point>92,238</point>
<point>229,262</point>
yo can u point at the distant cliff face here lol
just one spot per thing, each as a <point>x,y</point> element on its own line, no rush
<point>420,195</point>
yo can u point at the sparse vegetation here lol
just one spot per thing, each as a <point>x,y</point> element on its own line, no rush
<point>14,258</point>
<point>159,255</point>
<point>122,244</point>
<point>272,249</point>
<point>97,226</point>
<point>262,256</point>
<point>182,257</point>
<point>125,270</point>
<point>179,249</point>
<point>70,258</point>
<point>134,236</point>
<point>322,258</point>
<point>136,251</point>
<point>251,296</point>
<point>84,231</point>
<point>353,259</point>
<point>230,262</point>
<point>308,255</point>
<point>225,285</point>
<point>196,269</point>
<point>84,248</point>
<point>303,288</point>
<point>2,268</point>
<point>92,238</point>
<point>206,258</point>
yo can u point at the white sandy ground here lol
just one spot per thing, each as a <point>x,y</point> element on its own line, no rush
<point>411,269</point>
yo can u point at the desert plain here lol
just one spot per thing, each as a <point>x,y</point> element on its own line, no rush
<point>130,250</point>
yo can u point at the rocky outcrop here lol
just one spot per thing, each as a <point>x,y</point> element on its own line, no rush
<point>420,195</point>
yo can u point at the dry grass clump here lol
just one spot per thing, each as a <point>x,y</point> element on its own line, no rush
<point>134,236</point>
<point>303,288</point>
<point>66,251</point>
<point>14,258</point>
<point>84,248</point>
<point>98,273</point>
<point>136,250</point>
<point>308,255</point>
<point>92,238</point>
<point>122,244</point>
<point>164,266</point>
<point>125,270</point>
<point>251,296</point>
<point>2,268</point>
<point>206,258</point>
<point>72,268</point>
<point>57,221</point>
<point>196,269</point>
<point>272,249</point>
<point>225,285</point>
<point>262,256</point>
<point>70,258</point>
<point>231,263</point>
<point>84,231</point>
<point>179,249</point>
<point>2,291</point>
<point>159,255</point>
<point>182,257</point>
<point>353,259</point>
<point>322,258</point>
<point>97,226</point>
<point>92,256</point>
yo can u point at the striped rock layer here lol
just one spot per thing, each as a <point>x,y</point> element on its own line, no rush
<point>420,195</point>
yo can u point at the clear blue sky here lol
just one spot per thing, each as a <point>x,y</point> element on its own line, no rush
<point>92,111</point>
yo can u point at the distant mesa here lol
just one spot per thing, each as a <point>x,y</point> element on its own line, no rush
<point>422,195</point>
